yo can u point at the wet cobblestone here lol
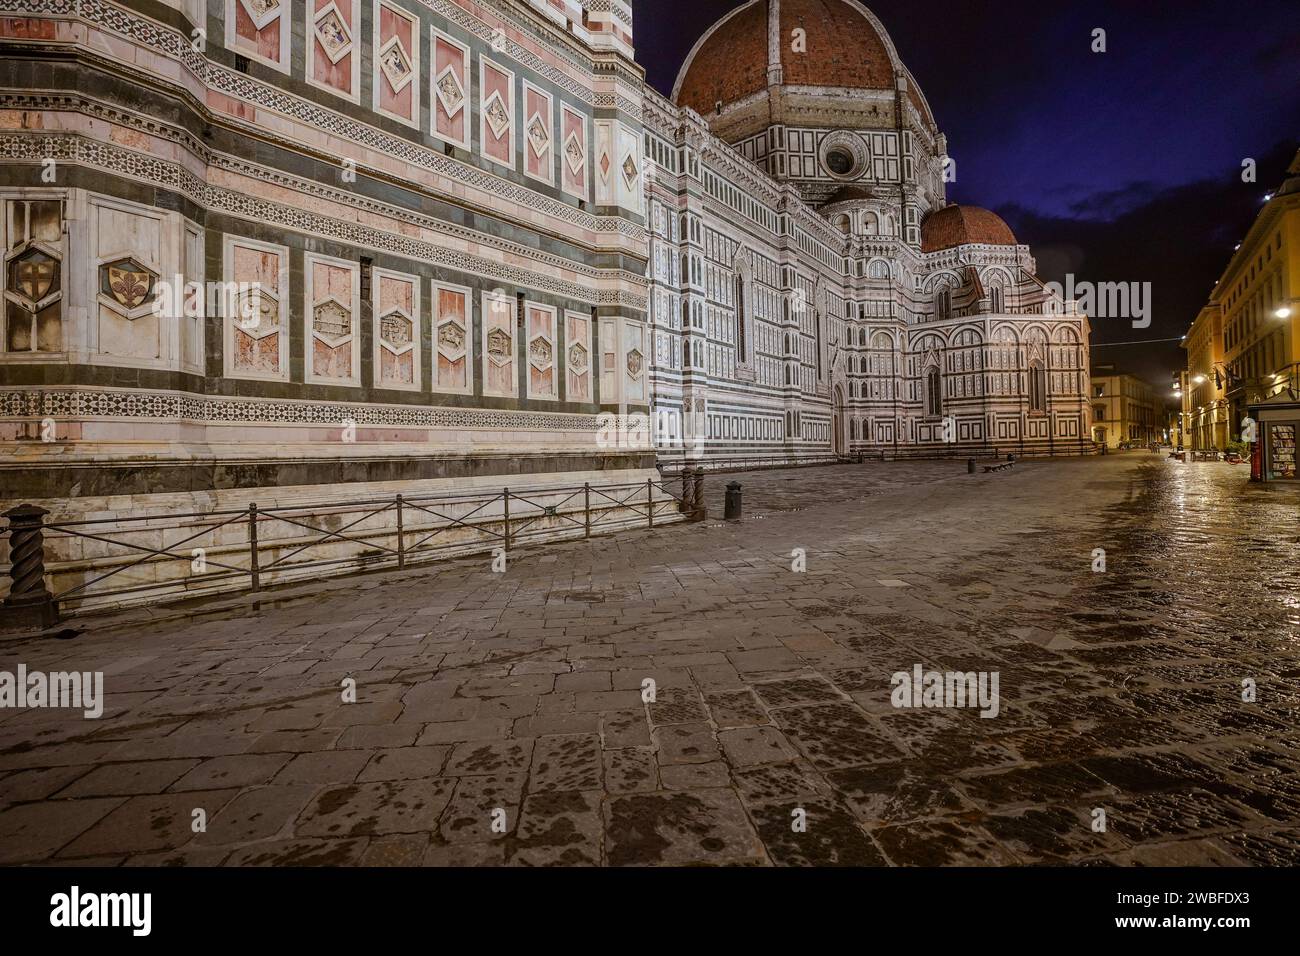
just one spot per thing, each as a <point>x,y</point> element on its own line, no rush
<point>500,718</point>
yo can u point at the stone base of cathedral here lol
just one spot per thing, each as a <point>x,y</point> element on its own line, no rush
<point>135,526</point>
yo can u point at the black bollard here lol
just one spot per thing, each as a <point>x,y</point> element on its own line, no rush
<point>732,511</point>
<point>970,466</point>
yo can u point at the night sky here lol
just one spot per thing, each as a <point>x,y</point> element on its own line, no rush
<point>1116,167</point>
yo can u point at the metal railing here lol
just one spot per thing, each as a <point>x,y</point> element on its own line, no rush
<point>123,559</point>
<point>675,467</point>
<point>862,453</point>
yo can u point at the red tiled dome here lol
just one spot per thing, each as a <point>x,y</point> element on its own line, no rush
<point>845,50</point>
<point>958,225</point>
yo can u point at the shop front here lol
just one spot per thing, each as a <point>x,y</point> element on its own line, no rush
<point>1277,425</point>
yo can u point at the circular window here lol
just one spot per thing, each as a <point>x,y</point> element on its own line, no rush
<point>840,162</point>
<point>843,155</point>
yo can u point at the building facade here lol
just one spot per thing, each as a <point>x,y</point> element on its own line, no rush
<point>1124,409</point>
<point>255,247</point>
<point>1203,396</point>
<point>1259,297</point>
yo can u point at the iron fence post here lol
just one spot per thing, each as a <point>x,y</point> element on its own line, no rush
<point>506,500</point>
<point>586,509</point>
<point>401,551</point>
<point>650,503</point>
<point>29,604</point>
<point>686,507</point>
<point>253,570</point>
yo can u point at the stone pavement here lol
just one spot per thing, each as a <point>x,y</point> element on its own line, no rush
<point>513,702</point>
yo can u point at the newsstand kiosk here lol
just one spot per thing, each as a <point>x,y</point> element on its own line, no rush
<point>1277,425</point>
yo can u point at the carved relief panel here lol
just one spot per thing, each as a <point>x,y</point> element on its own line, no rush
<point>396,80</point>
<point>133,248</point>
<point>542,352</point>
<point>260,30</point>
<point>577,357</point>
<point>635,367</point>
<point>452,321</point>
<point>34,277</point>
<point>497,113</point>
<point>332,299</point>
<point>500,376</point>
<point>573,147</point>
<point>396,316</point>
<point>539,154</point>
<point>256,310</point>
<point>333,47</point>
<point>449,112</point>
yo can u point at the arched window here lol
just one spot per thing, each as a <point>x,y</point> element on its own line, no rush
<point>933,392</point>
<point>995,299</point>
<point>879,269</point>
<point>943,304</point>
<point>1037,387</point>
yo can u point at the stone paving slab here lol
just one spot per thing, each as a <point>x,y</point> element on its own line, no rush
<point>684,696</point>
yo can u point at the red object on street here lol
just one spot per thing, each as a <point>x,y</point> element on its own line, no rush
<point>1256,462</point>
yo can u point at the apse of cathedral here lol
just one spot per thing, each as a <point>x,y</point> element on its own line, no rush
<point>256,249</point>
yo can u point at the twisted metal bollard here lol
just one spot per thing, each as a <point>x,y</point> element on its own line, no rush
<point>29,604</point>
<point>700,511</point>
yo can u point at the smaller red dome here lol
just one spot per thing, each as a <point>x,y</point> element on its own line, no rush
<point>956,225</point>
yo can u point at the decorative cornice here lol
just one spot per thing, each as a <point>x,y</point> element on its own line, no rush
<point>81,403</point>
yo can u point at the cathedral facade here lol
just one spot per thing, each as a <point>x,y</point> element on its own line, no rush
<point>261,247</point>
<point>813,294</point>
